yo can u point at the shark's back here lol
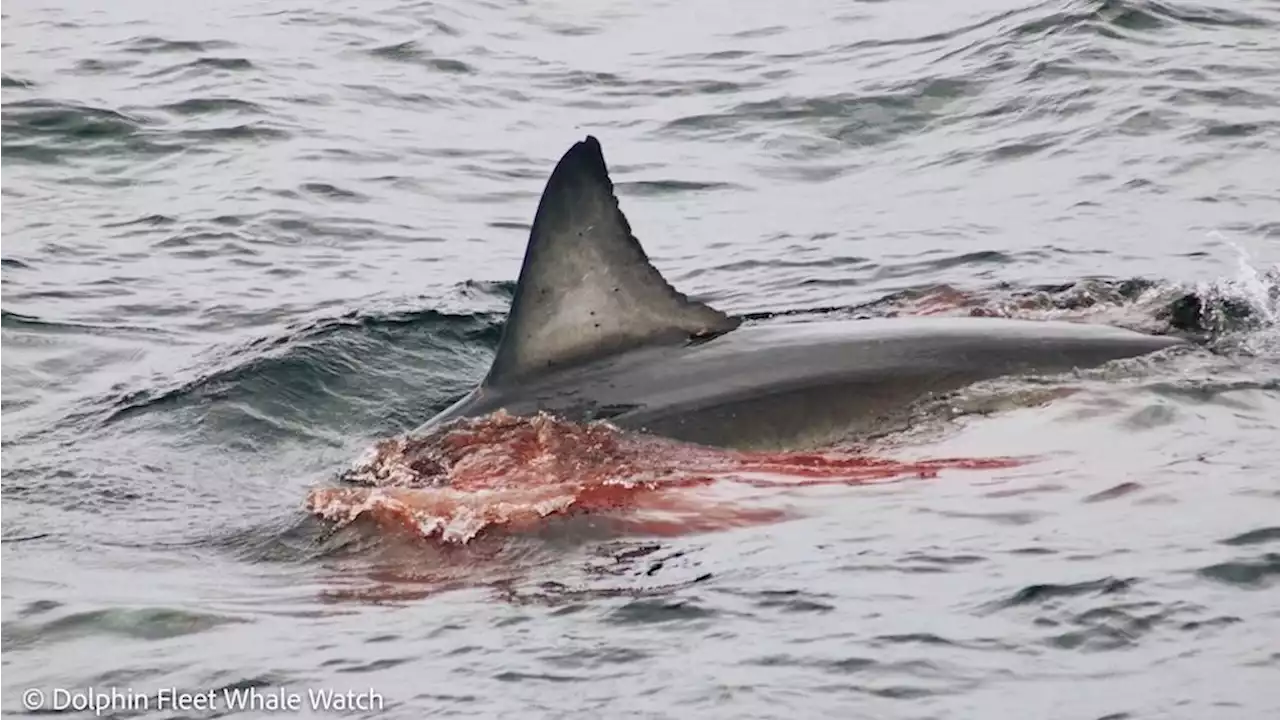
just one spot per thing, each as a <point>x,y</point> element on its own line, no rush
<point>794,384</point>
<point>596,332</point>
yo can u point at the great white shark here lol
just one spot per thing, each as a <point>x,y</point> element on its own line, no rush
<point>595,332</point>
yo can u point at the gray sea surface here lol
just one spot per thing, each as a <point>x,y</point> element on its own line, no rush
<point>243,240</point>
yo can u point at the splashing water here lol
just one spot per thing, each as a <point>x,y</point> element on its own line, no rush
<point>513,472</point>
<point>1237,313</point>
<point>1244,310</point>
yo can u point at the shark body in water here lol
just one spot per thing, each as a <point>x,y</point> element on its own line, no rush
<point>595,332</point>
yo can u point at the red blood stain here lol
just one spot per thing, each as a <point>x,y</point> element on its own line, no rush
<point>939,301</point>
<point>508,473</point>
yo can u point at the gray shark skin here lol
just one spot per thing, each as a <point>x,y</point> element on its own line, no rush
<point>595,332</point>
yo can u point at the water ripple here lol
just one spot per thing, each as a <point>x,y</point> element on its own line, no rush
<point>243,243</point>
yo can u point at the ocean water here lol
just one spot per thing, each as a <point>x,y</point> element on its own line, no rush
<point>242,242</point>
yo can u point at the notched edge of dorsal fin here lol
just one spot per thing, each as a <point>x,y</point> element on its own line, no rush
<point>587,288</point>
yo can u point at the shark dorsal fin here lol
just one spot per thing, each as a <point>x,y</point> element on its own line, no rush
<point>587,288</point>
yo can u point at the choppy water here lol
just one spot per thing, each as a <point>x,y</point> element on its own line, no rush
<point>242,242</point>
